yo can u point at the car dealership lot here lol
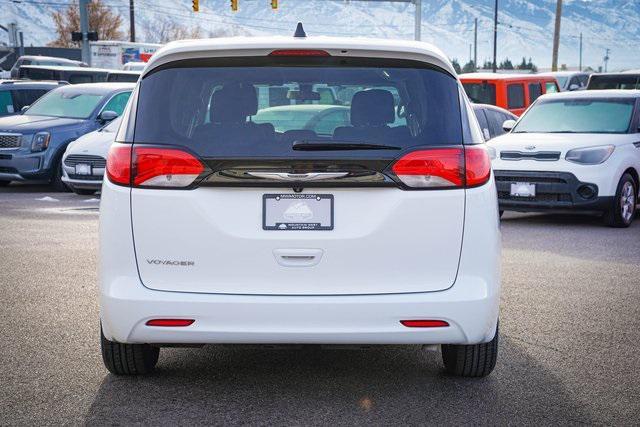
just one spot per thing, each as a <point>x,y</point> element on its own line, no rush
<point>570,330</point>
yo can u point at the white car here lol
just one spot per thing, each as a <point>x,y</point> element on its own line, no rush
<point>218,229</point>
<point>576,151</point>
<point>84,161</point>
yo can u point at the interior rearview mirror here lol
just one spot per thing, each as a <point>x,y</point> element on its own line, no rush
<point>508,125</point>
<point>107,116</point>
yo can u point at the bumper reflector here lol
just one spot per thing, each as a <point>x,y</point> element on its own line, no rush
<point>424,323</point>
<point>170,322</point>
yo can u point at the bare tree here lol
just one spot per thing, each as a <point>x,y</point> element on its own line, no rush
<point>101,19</point>
<point>168,31</point>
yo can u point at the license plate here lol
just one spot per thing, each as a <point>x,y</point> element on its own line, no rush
<point>297,212</point>
<point>83,169</point>
<point>523,189</point>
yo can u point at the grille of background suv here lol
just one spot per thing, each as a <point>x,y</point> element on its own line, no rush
<point>10,140</point>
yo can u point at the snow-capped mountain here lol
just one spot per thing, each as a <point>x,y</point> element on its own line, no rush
<point>526,26</point>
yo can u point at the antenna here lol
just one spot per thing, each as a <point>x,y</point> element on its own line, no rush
<point>299,31</point>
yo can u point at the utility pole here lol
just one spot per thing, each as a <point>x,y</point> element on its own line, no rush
<point>606,59</point>
<point>580,67</point>
<point>132,22</point>
<point>21,49</point>
<point>418,20</point>
<point>84,29</point>
<point>495,38</point>
<point>475,45</point>
<point>556,36</point>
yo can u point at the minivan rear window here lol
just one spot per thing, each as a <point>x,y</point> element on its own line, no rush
<point>262,106</point>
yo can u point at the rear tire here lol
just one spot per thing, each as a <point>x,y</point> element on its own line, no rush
<point>623,211</point>
<point>128,359</point>
<point>476,360</point>
<point>83,191</point>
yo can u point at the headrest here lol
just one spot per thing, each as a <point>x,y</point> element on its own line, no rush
<point>233,103</point>
<point>373,107</point>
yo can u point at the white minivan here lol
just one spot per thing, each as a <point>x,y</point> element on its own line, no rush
<point>215,228</point>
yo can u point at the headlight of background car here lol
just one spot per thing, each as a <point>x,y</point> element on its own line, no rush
<point>590,155</point>
<point>40,141</point>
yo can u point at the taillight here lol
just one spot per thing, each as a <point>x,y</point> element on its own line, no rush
<point>152,166</point>
<point>119,164</point>
<point>477,165</point>
<point>444,167</point>
<point>299,52</point>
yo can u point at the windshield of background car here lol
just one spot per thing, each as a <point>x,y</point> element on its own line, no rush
<point>66,102</point>
<point>263,107</point>
<point>481,93</point>
<point>606,115</point>
<point>562,80</point>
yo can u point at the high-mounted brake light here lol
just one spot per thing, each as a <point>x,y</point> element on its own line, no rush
<point>299,52</point>
<point>424,323</point>
<point>152,166</point>
<point>170,322</point>
<point>444,167</point>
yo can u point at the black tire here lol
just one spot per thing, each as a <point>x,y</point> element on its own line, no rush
<point>477,360</point>
<point>56,179</point>
<point>83,191</point>
<point>617,215</point>
<point>128,359</point>
<point>4,183</point>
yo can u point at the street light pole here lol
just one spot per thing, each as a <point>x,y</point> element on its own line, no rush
<point>495,38</point>
<point>132,22</point>
<point>475,45</point>
<point>556,36</point>
<point>418,20</point>
<point>580,52</point>
<point>84,29</point>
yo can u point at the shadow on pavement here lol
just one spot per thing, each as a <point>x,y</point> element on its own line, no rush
<point>382,385</point>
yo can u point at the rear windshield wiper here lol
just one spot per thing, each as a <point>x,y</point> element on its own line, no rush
<point>339,145</point>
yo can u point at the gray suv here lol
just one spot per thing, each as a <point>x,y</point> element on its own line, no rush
<point>32,144</point>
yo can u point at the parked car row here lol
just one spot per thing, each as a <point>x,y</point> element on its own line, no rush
<point>516,92</point>
<point>32,143</point>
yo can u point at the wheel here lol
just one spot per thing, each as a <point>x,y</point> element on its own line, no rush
<point>476,360</point>
<point>128,359</point>
<point>56,180</point>
<point>83,191</point>
<point>623,211</point>
<point>4,183</point>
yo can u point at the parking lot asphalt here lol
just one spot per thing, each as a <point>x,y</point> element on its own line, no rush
<point>569,352</point>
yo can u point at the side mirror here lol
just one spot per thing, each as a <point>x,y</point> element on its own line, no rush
<point>508,125</point>
<point>25,108</point>
<point>107,116</point>
<point>574,87</point>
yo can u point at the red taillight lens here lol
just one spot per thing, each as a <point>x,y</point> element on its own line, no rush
<point>299,52</point>
<point>170,322</point>
<point>444,167</point>
<point>424,323</point>
<point>439,167</point>
<point>165,167</point>
<point>477,165</point>
<point>119,164</point>
<point>152,166</point>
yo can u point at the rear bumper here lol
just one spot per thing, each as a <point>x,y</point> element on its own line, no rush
<point>355,319</point>
<point>555,191</point>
